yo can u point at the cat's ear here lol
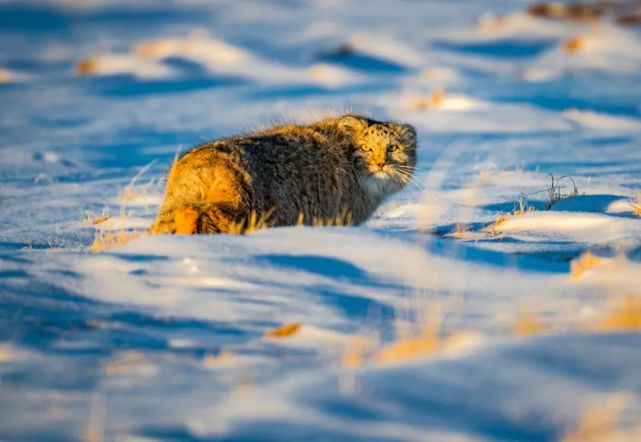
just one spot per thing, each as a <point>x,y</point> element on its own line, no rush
<point>351,125</point>
<point>409,134</point>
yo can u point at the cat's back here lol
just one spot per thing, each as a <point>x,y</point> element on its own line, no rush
<point>287,151</point>
<point>317,171</point>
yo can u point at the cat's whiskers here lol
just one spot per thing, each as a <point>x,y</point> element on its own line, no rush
<point>409,168</point>
<point>404,177</point>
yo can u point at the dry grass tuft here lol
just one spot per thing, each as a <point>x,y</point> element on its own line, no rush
<point>211,361</point>
<point>129,194</point>
<point>87,66</point>
<point>624,317</point>
<point>548,10</point>
<point>342,219</point>
<point>554,191</point>
<point>425,340</point>
<point>5,76</point>
<point>490,23</point>
<point>607,421</point>
<point>428,341</point>
<point>578,11</point>
<point>95,428</point>
<point>460,229</point>
<point>434,101</point>
<point>583,263</point>
<point>151,50</point>
<point>284,331</point>
<point>574,45</point>
<point>522,209</point>
<point>108,240</point>
<point>95,220</point>
<point>624,13</point>
<point>528,324</point>
<point>361,350</point>
<point>129,362</point>
<point>251,224</point>
<point>636,206</point>
<point>356,352</point>
<point>594,425</point>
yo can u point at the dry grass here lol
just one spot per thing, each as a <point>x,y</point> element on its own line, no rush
<point>574,45</point>
<point>284,331</point>
<point>95,220</point>
<point>413,341</point>
<point>636,206</point>
<point>428,341</point>
<point>344,218</point>
<point>251,224</point>
<point>583,263</point>
<point>460,229</point>
<point>522,209</point>
<point>154,49</point>
<point>528,324</point>
<point>186,222</point>
<point>432,74</point>
<point>626,316</point>
<point>94,431</point>
<point>5,76</point>
<point>129,194</point>
<point>356,352</point>
<point>605,420</point>
<point>108,240</point>
<point>87,66</point>
<point>595,425</point>
<point>555,193</point>
<point>491,23</point>
<point>548,10</point>
<point>434,101</point>
<point>362,350</point>
<point>485,177</point>
<point>577,11</point>
<point>625,13</point>
<point>129,362</point>
<point>211,361</point>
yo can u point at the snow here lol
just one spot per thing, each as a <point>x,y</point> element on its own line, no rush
<point>168,337</point>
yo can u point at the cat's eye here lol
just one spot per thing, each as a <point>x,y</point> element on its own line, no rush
<point>366,148</point>
<point>392,147</point>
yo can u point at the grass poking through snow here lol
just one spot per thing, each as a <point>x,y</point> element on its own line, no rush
<point>284,331</point>
<point>583,263</point>
<point>520,210</point>
<point>555,193</point>
<point>636,206</point>
<point>106,240</point>
<point>528,323</point>
<point>626,316</point>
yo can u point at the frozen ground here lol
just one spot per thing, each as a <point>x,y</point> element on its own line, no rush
<point>437,320</point>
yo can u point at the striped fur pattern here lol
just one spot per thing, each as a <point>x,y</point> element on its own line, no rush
<point>294,173</point>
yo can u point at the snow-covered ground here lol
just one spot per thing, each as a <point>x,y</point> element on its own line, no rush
<point>470,307</point>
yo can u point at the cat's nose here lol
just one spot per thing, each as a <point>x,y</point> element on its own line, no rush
<point>380,164</point>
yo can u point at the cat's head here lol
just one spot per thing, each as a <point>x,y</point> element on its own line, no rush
<point>385,152</point>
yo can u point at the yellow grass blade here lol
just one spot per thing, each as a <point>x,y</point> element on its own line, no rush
<point>284,331</point>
